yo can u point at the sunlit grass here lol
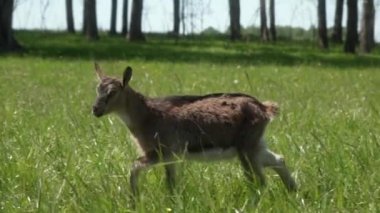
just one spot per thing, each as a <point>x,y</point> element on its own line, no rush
<point>55,156</point>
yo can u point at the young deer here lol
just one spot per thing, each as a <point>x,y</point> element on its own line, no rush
<point>214,126</point>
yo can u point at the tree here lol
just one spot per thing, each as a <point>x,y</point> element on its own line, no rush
<point>7,41</point>
<point>272,20</point>
<point>264,33</point>
<point>337,30</point>
<point>367,37</point>
<point>113,18</point>
<point>69,16</point>
<point>234,19</point>
<point>135,33</point>
<point>124,28</point>
<point>352,26</point>
<point>176,18</point>
<point>322,29</point>
<point>184,2</point>
<point>90,24</point>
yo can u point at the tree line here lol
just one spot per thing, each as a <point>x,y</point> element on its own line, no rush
<point>352,38</point>
<point>366,37</point>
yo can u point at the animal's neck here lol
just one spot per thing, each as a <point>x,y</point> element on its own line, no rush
<point>134,110</point>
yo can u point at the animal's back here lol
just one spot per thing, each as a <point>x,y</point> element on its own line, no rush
<point>204,122</point>
<point>215,108</point>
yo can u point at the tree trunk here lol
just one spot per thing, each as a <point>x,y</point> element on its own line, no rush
<point>84,24</point>
<point>352,26</point>
<point>91,28</point>
<point>69,16</point>
<point>367,27</point>
<point>272,19</point>
<point>176,18</point>
<point>264,33</point>
<point>124,29</point>
<point>135,33</point>
<point>7,41</point>
<point>322,29</point>
<point>183,16</point>
<point>235,19</point>
<point>113,18</point>
<point>337,30</point>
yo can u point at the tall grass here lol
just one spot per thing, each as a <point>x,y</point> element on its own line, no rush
<point>56,157</point>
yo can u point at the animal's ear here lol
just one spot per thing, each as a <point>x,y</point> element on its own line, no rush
<point>99,71</point>
<point>127,76</point>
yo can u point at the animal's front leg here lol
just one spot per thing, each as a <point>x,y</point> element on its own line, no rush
<point>170,176</point>
<point>138,165</point>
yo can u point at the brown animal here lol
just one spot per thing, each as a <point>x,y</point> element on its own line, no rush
<point>214,126</point>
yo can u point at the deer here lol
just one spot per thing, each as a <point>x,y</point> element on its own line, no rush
<point>209,127</point>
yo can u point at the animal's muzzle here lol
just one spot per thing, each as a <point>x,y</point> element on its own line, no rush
<point>97,111</point>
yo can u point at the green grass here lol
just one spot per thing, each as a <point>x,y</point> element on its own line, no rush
<point>56,157</point>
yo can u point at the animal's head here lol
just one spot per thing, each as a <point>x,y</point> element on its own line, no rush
<point>110,92</point>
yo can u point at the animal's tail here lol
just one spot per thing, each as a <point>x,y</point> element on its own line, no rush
<point>271,109</point>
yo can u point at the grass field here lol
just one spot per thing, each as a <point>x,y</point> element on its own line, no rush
<point>57,157</point>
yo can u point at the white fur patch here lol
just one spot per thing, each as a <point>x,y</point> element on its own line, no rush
<point>125,118</point>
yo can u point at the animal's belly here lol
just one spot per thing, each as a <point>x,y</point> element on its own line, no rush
<point>212,154</point>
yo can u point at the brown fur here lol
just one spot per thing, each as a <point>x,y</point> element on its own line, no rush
<point>196,122</point>
<point>179,125</point>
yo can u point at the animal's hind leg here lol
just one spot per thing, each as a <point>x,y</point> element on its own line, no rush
<point>251,166</point>
<point>248,149</point>
<point>277,163</point>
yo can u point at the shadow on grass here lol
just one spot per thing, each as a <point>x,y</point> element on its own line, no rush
<point>194,49</point>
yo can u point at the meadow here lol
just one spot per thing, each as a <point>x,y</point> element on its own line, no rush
<point>57,157</point>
